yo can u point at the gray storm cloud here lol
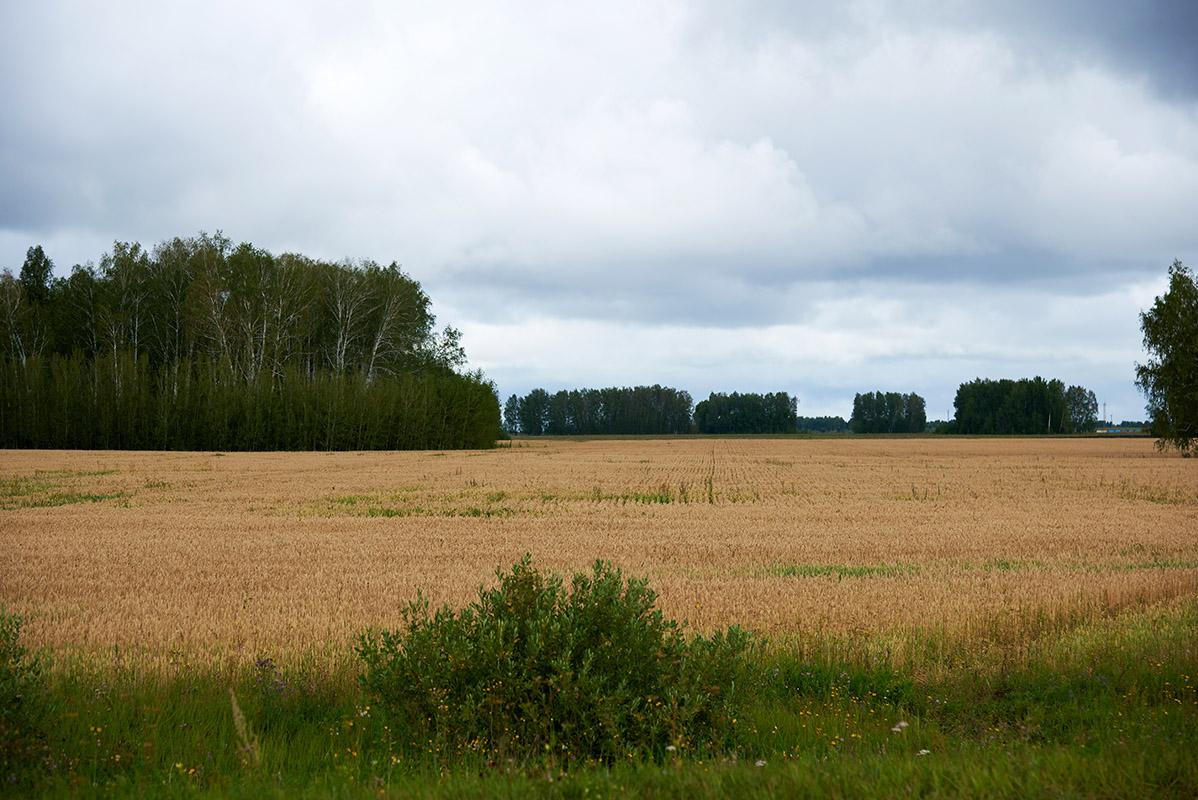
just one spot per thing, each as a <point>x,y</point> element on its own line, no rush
<point>979,191</point>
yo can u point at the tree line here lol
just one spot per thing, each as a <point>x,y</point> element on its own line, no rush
<point>653,410</point>
<point>614,410</point>
<point>888,412</point>
<point>772,412</point>
<point>200,344</point>
<point>1169,379</point>
<point>822,424</point>
<point>1025,406</point>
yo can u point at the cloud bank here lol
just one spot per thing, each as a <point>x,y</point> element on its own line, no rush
<point>713,195</point>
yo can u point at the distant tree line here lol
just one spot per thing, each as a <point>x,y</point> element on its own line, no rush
<point>772,412</point>
<point>652,410</point>
<point>201,344</point>
<point>1024,406</point>
<point>822,424</point>
<point>614,410</point>
<point>888,412</point>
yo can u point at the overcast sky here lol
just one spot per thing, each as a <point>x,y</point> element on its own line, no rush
<point>821,198</point>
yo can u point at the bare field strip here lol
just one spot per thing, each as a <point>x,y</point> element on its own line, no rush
<point>168,556</point>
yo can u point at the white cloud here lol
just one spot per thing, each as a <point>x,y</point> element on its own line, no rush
<point>895,337</point>
<point>823,192</point>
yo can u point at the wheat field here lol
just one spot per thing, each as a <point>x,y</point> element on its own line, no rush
<point>164,557</point>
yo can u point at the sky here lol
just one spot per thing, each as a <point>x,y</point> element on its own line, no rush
<point>820,198</point>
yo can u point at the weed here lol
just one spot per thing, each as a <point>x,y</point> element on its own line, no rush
<point>22,689</point>
<point>840,571</point>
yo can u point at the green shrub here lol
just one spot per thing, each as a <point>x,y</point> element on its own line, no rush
<point>21,690</point>
<point>533,669</point>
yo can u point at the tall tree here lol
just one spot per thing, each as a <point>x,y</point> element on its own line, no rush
<point>1081,409</point>
<point>13,318</point>
<point>888,412</point>
<point>534,413</point>
<point>1169,379</point>
<point>511,414</point>
<point>36,275</point>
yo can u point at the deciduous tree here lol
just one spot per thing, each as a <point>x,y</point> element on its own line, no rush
<point>1169,379</point>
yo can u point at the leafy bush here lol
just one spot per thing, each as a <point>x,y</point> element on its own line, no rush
<point>21,741</point>
<point>532,668</point>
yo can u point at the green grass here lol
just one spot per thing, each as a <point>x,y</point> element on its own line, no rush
<point>840,571</point>
<point>1107,708</point>
<point>1164,563</point>
<point>1004,565</point>
<point>67,498</point>
<point>477,512</point>
<point>1011,565</point>
<point>50,488</point>
<point>375,506</point>
<point>663,495</point>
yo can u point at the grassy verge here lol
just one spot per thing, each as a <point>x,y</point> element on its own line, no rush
<point>1104,708</point>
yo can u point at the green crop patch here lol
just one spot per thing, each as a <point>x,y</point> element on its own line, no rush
<point>1167,563</point>
<point>52,488</point>
<point>841,571</point>
<point>68,498</point>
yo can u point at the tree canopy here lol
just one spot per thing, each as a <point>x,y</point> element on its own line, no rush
<point>888,412</point>
<point>1169,379</point>
<point>772,412</point>
<point>1024,406</point>
<point>199,326</point>
<point>235,304</point>
<point>821,424</point>
<point>614,410</point>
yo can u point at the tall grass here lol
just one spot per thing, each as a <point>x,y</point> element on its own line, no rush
<point>1105,707</point>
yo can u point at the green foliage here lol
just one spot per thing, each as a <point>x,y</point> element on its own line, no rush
<point>611,411</point>
<point>1170,378</point>
<point>591,672</point>
<point>821,424</point>
<point>841,571</point>
<point>37,273</point>
<point>21,696</point>
<point>888,412</point>
<point>842,681</point>
<point>118,402</point>
<point>202,345</point>
<point>1101,708</point>
<point>1081,409</point>
<point>1024,406</point>
<point>772,412</point>
<point>511,415</point>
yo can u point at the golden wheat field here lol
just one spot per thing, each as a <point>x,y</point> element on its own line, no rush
<point>163,556</point>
